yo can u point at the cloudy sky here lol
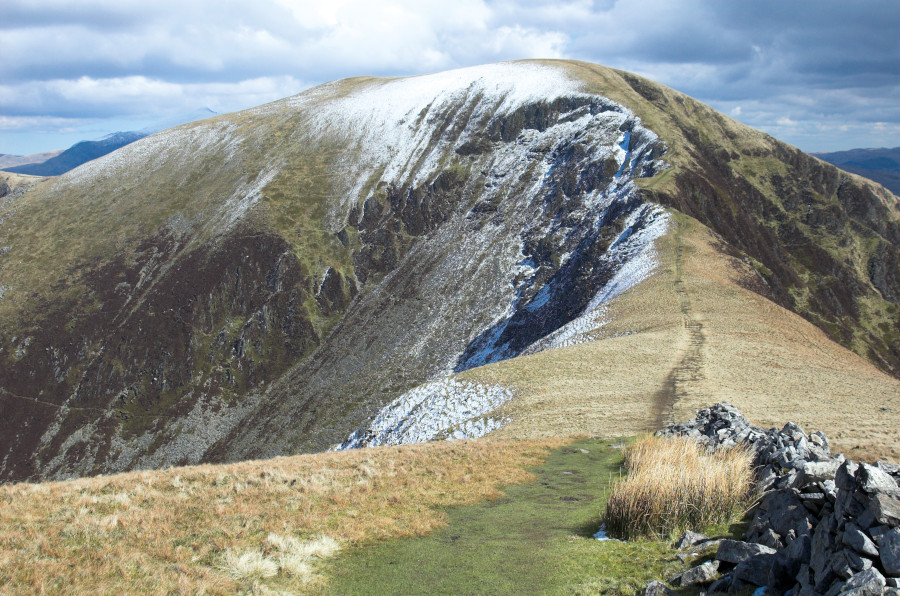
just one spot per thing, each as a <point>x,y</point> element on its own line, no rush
<point>823,75</point>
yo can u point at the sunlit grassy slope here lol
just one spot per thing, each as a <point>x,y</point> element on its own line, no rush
<point>182,530</point>
<point>536,538</point>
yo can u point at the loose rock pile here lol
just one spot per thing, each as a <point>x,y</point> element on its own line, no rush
<point>824,525</point>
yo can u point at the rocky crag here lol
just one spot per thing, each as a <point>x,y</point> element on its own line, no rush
<point>823,525</point>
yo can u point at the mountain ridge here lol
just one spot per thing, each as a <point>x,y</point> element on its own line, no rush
<point>255,286</point>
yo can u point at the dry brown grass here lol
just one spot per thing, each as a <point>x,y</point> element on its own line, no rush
<point>252,525</point>
<point>675,485</point>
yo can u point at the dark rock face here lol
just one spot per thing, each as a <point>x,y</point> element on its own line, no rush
<point>283,327</point>
<point>234,315</point>
<point>823,525</point>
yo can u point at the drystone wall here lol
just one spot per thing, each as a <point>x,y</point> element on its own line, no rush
<point>823,525</point>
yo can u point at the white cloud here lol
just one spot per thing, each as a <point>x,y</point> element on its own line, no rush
<point>810,58</point>
<point>37,122</point>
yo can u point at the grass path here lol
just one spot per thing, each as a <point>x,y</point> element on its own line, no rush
<point>536,538</point>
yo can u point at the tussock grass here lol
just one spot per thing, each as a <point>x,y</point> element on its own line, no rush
<point>677,484</point>
<point>284,554</point>
<point>251,564</point>
<point>259,526</point>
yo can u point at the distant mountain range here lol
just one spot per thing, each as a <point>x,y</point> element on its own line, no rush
<point>53,163</point>
<point>881,165</point>
<point>11,161</point>
<point>78,154</point>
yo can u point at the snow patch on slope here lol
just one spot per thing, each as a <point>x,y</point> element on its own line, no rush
<point>446,408</point>
<point>395,128</point>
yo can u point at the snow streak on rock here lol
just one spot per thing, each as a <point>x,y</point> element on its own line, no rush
<point>442,409</point>
<point>637,259</point>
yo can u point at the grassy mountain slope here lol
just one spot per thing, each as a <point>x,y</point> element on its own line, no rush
<point>171,531</point>
<point>12,182</point>
<point>261,283</point>
<point>824,241</point>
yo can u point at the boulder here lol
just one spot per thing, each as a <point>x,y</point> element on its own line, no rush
<point>781,511</point>
<point>850,503</point>
<point>876,532</point>
<point>889,547</point>
<point>689,539</point>
<point>766,478</point>
<point>771,539</point>
<point>840,565</point>
<point>845,477</point>
<point>857,562</point>
<point>657,588</point>
<point>865,583</point>
<point>873,479</point>
<point>740,587</point>
<point>735,551</point>
<point>892,469</point>
<point>885,508</point>
<point>788,567</point>
<point>699,575</point>
<point>720,586</point>
<point>755,570</point>
<point>858,541</point>
<point>818,471</point>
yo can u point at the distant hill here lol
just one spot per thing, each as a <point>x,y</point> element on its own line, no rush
<point>78,154</point>
<point>881,165</point>
<point>11,161</point>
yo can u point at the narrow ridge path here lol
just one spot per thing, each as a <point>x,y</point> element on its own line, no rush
<point>689,368</point>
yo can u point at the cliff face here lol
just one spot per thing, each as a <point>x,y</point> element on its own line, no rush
<point>264,282</point>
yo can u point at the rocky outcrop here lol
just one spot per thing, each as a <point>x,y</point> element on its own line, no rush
<point>823,525</point>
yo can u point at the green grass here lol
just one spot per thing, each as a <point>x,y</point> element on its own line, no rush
<point>536,539</point>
